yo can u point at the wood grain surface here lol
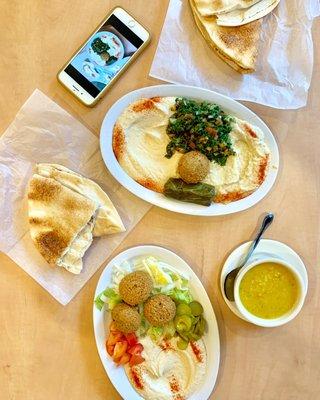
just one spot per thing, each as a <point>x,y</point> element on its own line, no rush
<point>47,351</point>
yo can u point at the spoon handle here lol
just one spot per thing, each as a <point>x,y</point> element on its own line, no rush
<point>267,221</point>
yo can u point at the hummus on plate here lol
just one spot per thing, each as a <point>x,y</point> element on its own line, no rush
<point>167,372</point>
<point>140,140</point>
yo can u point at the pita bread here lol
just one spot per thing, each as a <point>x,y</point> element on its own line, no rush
<point>237,46</point>
<point>57,215</point>
<point>208,8</point>
<point>107,219</point>
<point>244,16</point>
<point>72,259</point>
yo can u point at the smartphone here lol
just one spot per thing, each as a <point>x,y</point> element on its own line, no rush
<point>104,56</point>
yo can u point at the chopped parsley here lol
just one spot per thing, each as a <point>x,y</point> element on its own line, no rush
<point>99,47</point>
<point>201,126</point>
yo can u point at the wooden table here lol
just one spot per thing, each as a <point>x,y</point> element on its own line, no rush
<point>47,351</point>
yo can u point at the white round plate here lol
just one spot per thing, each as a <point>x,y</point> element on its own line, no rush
<point>230,106</point>
<point>116,374</point>
<point>265,248</point>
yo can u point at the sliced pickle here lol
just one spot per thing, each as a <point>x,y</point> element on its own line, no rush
<point>200,327</point>
<point>193,336</point>
<point>195,320</point>
<point>183,309</point>
<point>183,323</point>
<point>196,308</point>
<point>184,337</point>
<point>182,344</point>
<point>169,330</point>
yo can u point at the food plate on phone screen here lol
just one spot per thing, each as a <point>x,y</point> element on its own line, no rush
<point>189,150</point>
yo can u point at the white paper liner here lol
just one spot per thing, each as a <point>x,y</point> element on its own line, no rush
<point>43,132</point>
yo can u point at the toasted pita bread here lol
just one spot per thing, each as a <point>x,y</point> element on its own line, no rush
<point>207,8</point>
<point>57,215</point>
<point>107,219</point>
<point>244,16</point>
<point>237,46</point>
<point>72,259</point>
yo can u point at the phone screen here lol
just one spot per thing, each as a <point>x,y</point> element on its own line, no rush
<point>103,56</point>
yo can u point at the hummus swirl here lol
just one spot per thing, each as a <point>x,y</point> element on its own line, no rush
<point>167,372</point>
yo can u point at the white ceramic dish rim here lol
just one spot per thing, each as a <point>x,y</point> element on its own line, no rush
<point>269,323</point>
<point>266,248</point>
<point>160,200</point>
<point>211,340</point>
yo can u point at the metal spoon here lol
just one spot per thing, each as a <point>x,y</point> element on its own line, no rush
<point>230,278</point>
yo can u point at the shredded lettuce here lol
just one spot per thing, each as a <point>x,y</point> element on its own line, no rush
<point>179,296</point>
<point>165,280</point>
<point>109,297</point>
<point>155,333</point>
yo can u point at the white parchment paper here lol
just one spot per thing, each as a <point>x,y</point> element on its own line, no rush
<point>43,132</point>
<point>284,66</point>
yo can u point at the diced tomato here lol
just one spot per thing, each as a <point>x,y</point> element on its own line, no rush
<point>119,349</point>
<point>136,359</point>
<point>124,359</point>
<point>113,327</point>
<point>136,349</point>
<point>117,360</point>
<point>114,338</point>
<point>110,350</point>
<point>131,339</point>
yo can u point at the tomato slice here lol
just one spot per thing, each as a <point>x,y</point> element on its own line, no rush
<point>113,327</point>
<point>124,359</point>
<point>110,350</point>
<point>136,349</point>
<point>136,359</point>
<point>131,339</point>
<point>119,349</point>
<point>114,338</point>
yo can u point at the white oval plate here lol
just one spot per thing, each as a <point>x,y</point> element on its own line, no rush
<point>116,374</point>
<point>230,106</point>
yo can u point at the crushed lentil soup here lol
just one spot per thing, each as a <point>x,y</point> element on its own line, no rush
<point>269,290</point>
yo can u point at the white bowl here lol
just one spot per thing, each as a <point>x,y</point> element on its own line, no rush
<point>269,323</point>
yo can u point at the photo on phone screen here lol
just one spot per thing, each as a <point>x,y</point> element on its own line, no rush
<point>103,56</point>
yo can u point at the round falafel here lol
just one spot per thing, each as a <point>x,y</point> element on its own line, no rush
<point>159,310</point>
<point>126,318</point>
<point>135,287</point>
<point>193,167</point>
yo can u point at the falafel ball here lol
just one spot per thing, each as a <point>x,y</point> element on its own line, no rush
<point>193,167</point>
<point>135,287</point>
<point>126,318</point>
<point>159,310</point>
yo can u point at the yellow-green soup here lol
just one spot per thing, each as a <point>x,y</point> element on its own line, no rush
<point>269,290</point>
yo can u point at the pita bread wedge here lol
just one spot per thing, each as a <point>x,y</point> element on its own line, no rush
<point>237,46</point>
<point>244,16</point>
<point>61,222</point>
<point>207,8</point>
<point>107,219</point>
